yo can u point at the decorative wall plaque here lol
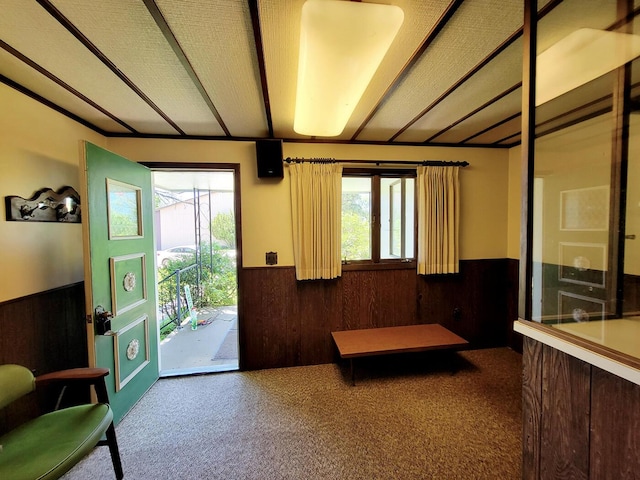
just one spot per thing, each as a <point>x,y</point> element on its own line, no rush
<point>45,205</point>
<point>583,263</point>
<point>130,351</point>
<point>129,282</point>
<point>133,349</point>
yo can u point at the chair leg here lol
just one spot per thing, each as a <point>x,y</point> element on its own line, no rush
<point>103,397</point>
<point>115,453</point>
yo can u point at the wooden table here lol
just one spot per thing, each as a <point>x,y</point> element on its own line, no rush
<point>388,340</point>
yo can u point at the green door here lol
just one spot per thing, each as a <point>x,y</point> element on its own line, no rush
<point>119,264</point>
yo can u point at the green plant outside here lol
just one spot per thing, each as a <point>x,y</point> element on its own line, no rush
<point>356,228</point>
<point>223,227</point>
<point>214,284</point>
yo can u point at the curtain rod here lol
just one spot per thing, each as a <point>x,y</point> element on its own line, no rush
<point>431,163</point>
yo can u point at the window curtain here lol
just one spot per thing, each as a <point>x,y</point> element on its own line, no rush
<point>316,203</point>
<point>438,219</point>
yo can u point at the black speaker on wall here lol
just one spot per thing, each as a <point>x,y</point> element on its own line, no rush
<point>269,155</point>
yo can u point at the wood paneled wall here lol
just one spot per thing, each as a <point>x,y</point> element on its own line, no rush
<point>513,288</point>
<point>632,294</point>
<point>473,304</point>
<point>579,421</point>
<point>44,332</point>
<point>287,323</point>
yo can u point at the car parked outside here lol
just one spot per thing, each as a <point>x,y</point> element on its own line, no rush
<point>184,252</point>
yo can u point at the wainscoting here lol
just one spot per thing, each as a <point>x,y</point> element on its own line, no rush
<point>287,323</point>
<point>284,322</point>
<point>44,332</point>
<point>579,421</point>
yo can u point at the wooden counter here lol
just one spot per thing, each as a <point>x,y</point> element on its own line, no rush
<point>612,337</point>
<point>580,401</point>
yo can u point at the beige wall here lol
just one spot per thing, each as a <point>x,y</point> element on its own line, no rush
<point>632,247</point>
<point>38,148</point>
<point>515,202</point>
<point>568,161</point>
<point>266,206</point>
<point>266,210</point>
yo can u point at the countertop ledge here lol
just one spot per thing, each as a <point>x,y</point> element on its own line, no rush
<point>577,349</point>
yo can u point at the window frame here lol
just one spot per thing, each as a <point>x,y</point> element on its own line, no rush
<point>377,263</point>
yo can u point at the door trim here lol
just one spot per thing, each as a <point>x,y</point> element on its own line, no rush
<point>193,166</point>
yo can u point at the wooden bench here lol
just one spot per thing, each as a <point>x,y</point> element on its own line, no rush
<point>388,340</point>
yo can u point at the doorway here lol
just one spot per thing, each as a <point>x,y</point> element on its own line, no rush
<point>196,223</point>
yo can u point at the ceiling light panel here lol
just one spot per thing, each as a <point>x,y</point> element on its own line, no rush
<point>218,39</point>
<point>499,75</point>
<point>21,73</point>
<point>280,22</point>
<point>581,57</point>
<point>341,46</point>
<point>476,29</point>
<point>28,28</point>
<point>579,103</point>
<point>142,53</point>
<point>563,19</point>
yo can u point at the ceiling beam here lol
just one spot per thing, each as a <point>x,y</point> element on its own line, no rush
<point>50,104</point>
<point>71,28</point>
<point>477,110</point>
<point>502,47</point>
<point>491,127</point>
<point>543,11</point>
<point>162,24</point>
<point>405,70</point>
<point>257,36</point>
<point>8,48</point>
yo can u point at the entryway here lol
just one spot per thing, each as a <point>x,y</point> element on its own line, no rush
<point>195,230</point>
<point>211,347</point>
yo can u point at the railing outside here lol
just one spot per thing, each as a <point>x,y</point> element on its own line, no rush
<point>171,300</point>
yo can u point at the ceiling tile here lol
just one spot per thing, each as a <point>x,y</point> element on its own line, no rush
<point>476,30</point>
<point>28,28</point>
<point>218,39</point>
<point>39,84</point>
<point>499,75</point>
<point>142,53</point>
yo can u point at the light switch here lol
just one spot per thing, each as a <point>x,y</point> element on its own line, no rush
<point>271,258</point>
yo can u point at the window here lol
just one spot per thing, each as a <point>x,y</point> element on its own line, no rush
<point>378,216</point>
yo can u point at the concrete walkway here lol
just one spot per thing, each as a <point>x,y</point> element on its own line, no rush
<point>186,351</point>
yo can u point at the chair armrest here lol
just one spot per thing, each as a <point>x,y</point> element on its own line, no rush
<point>86,376</point>
<point>74,375</point>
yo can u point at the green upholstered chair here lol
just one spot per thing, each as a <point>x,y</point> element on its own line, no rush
<point>51,444</point>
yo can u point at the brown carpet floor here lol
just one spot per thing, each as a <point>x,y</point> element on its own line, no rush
<point>408,417</point>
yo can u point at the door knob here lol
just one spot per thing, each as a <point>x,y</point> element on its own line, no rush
<point>103,320</point>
